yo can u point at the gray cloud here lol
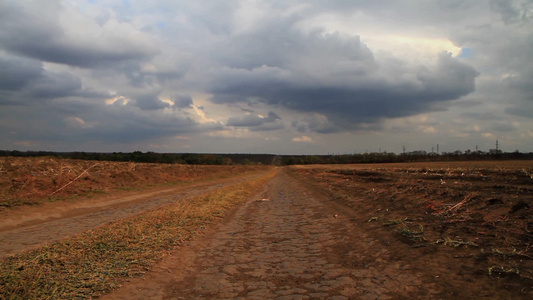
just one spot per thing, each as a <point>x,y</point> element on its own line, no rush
<point>523,109</point>
<point>315,124</point>
<point>149,101</point>
<point>257,122</point>
<point>153,101</point>
<point>332,74</point>
<point>503,127</point>
<point>505,8</point>
<point>481,116</point>
<point>26,81</point>
<point>506,61</point>
<point>183,101</point>
<point>33,29</point>
<point>78,122</point>
<point>366,97</point>
<point>54,85</point>
<point>17,72</point>
<point>118,123</point>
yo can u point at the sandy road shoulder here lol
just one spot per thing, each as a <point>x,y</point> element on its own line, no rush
<point>30,226</point>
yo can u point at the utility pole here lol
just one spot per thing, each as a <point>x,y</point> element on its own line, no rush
<point>437,148</point>
<point>497,145</point>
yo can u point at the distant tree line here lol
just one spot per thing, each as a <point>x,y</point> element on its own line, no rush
<point>414,156</point>
<point>153,157</point>
<point>270,159</point>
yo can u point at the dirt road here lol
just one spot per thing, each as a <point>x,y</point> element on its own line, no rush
<point>28,227</point>
<point>288,243</point>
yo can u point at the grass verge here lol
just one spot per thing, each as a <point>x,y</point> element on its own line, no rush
<point>97,261</point>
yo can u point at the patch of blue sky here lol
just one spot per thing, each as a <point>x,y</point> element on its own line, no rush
<point>466,53</point>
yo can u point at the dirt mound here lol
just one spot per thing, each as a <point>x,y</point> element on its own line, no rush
<point>33,180</point>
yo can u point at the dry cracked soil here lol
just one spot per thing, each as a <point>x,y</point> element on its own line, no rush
<point>287,243</point>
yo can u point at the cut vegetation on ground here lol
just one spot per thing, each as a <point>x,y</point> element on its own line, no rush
<point>475,219</point>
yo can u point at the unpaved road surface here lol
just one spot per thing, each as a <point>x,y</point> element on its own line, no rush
<point>29,227</point>
<point>287,243</point>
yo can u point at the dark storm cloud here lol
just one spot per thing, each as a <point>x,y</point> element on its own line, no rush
<point>127,124</point>
<point>252,120</point>
<point>149,101</point>
<point>183,101</point>
<point>25,81</point>
<point>80,122</point>
<point>278,44</point>
<point>333,74</point>
<point>368,97</point>
<point>33,29</point>
<point>17,72</point>
<point>54,85</point>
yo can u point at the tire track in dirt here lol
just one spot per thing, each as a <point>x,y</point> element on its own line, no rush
<point>54,221</point>
<point>293,245</point>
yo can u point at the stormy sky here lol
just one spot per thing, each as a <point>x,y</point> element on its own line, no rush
<point>284,77</point>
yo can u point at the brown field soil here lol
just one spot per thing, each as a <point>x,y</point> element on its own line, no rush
<point>468,225</point>
<point>27,181</point>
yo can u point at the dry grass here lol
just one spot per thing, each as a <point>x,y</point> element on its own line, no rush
<point>98,261</point>
<point>27,181</point>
